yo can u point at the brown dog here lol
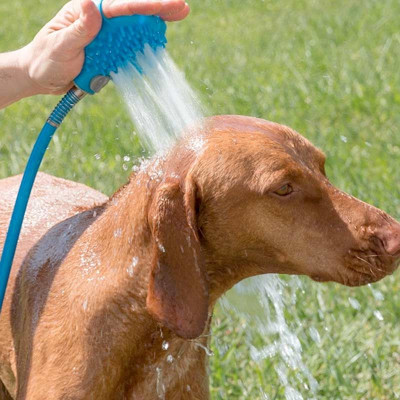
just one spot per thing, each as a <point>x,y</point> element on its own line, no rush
<point>112,299</point>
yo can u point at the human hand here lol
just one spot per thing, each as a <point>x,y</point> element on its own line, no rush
<point>56,54</point>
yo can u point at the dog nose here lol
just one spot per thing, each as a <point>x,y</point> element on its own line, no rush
<point>391,240</point>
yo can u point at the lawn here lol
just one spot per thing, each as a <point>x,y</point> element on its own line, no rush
<point>330,70</point>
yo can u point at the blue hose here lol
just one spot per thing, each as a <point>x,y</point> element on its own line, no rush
<point>35,159</point>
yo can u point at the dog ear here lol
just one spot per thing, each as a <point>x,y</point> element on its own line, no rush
<point>177,293</point>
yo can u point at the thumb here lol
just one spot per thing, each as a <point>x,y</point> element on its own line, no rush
<point>86,27</point>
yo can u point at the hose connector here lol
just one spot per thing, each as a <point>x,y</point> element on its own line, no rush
<point>65,105</point>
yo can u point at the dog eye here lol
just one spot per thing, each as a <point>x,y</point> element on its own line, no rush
<point>284,190</point>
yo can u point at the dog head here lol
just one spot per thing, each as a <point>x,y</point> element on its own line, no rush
<point>253,199</point>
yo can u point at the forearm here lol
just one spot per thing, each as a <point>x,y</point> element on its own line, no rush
<point>15,83</point>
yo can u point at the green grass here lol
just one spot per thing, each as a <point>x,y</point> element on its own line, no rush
<point>329,69</point>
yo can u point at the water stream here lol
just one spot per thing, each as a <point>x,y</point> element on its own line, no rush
<point>161,103</point>
<point>261,302</point>
<point>163,106</point>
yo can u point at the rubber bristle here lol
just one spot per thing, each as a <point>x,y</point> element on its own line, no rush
<point>117,44</point>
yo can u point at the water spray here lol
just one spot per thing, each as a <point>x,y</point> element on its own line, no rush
<point>119,42</point>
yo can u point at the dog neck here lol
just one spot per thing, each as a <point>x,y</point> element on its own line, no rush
<point>146,350</point>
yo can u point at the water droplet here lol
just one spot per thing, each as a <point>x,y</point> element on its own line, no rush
<point>206,349</point>
<point>160,387</point>
<point>132,266</point>
<point>354,303</point>
<point>376,293</point>
<point>118,232</point>
<point>170,358</point>
<point>165,345</point>
<point>161,247</point>
<point>315,335</point>
<point>264,395</point>
<point>378,315</point>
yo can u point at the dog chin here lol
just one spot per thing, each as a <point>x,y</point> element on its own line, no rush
<point>349,278</point>
<point>318,278</point>
<point>357,278</point>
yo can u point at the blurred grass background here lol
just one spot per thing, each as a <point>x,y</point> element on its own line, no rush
<point>328,69</point>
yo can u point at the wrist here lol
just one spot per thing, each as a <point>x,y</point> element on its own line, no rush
<point>15,82</point>
<point>23,59</point>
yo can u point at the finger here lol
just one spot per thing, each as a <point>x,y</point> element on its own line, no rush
<point>90,18</point>
<point>170,7</point>
<point>116,8</point>
<point>86,27</point>
<point>176,16</point>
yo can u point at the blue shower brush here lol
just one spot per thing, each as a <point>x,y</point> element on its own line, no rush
<point>116,45</point>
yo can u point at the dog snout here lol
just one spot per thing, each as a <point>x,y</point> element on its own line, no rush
<point>390,237</point>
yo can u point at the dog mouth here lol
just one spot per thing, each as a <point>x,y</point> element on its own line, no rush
<point>366,266</point>
<point>361,267</point>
